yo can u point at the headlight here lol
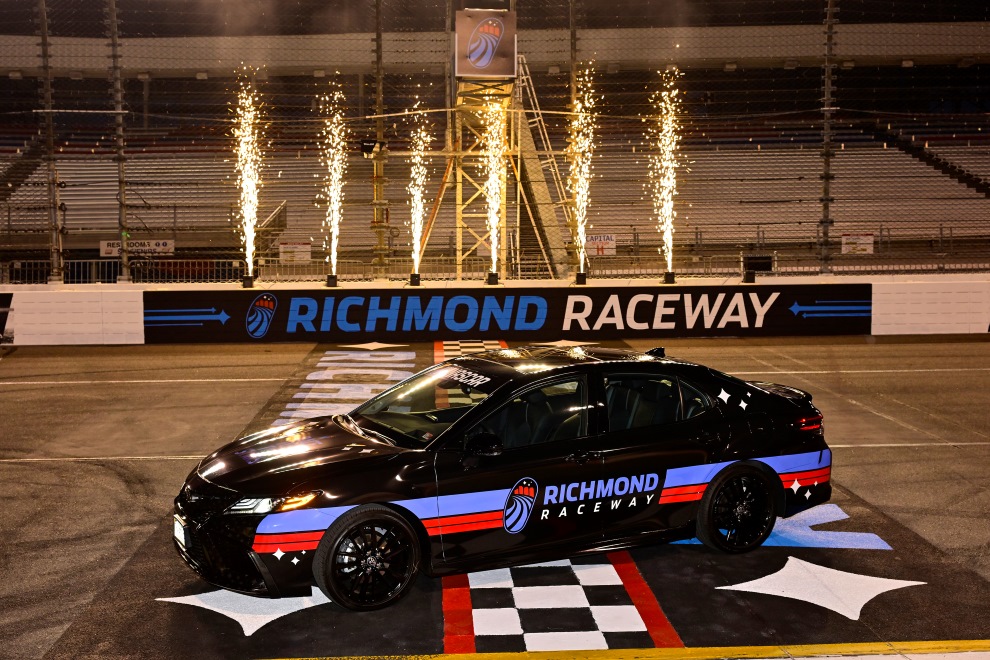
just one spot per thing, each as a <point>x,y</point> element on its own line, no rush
<point>258,505</point>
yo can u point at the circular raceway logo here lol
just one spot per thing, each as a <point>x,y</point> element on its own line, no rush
<point>259,316</point>
<point>519,505</point>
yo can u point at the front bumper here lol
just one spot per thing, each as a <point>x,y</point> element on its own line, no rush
<point>218,546</point>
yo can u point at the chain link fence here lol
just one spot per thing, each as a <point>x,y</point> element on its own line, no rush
<point>908,167</point>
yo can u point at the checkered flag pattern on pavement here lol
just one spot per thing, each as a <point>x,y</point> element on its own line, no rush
<point>571,604</point>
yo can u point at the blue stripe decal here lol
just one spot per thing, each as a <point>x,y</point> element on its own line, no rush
<point>703,474</point>
<point>799,462</point>
<point>457,505</point>
<point>311,520</point>
<point>303,520</point>
<point>694,474</point>
<point>425,508</point>
<point>307,520</point>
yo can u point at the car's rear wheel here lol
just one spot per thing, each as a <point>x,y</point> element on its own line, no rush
<point>737,512</point>
<point>367,559</point>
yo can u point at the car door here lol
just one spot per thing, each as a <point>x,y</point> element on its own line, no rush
<point>525,499</point>
<point>659,430</point>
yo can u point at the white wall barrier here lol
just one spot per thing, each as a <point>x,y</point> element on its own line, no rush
<point>74,317</point>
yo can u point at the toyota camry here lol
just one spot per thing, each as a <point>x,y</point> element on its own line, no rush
<point>499,458</point>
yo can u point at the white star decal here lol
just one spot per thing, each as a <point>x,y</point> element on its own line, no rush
<point>742,404</point>
<point>807,495</point>
<point>795,486</point>
<point>373,345</point>
<point>839,591</point>
<point>566,343</point>
<point>278,554</point>
<point>252,613</point>
<point>724,396</point>
<point>295,560</point>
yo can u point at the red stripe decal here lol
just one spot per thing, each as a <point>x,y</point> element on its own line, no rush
<point>470,527</point>
<point>458,620</point>
<point>811,475</point>
<point>684,490</point>
<point>671,499</point>
<point>661,631</point>
<point>289,538</point>
<point>266,548</point>
<point>444,521</point>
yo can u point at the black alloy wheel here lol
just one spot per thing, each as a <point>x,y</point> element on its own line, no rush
<point>368,559</point>
<point>737,512</point>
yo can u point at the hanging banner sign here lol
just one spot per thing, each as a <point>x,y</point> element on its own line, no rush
<point>485,44</point>
<point>590,313</point>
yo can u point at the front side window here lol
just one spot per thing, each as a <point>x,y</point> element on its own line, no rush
<point>417,410</point>
<point>553,413</point>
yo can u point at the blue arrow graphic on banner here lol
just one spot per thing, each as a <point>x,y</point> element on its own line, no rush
<point>824,308</point>
<point>161,317</point>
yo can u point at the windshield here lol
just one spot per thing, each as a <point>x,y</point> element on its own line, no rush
<point>416,411</point>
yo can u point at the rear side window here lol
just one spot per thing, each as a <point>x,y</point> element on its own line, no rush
<point>694,402</point>
<point>643,400</point>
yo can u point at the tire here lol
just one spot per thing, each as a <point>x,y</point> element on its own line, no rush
<point>738,511</point>
<point>368,559</point>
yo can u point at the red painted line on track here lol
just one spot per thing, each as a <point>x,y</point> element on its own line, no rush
<point>458,619</point>
<point>661,631</point>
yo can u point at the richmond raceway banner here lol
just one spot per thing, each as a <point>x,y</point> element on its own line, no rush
<point>592,313</point>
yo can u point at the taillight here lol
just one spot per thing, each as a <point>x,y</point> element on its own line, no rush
<point>809,423</point>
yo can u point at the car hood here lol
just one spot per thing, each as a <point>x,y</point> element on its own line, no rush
<point>274,461</point>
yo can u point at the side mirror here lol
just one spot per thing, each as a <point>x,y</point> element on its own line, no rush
<point>484,444</point>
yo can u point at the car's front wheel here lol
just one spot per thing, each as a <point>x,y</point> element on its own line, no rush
<point>367,559</point>
<point>737,512</point>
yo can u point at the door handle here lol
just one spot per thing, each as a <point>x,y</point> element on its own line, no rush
<point>582,457</point>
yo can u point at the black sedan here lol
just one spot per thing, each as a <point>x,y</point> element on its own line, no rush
<point>506,457</point>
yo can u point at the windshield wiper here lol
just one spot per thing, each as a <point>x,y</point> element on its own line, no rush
<point>349,424</point>
<point>380,436</point>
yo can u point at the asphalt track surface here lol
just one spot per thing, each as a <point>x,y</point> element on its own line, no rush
<point>95,442</point>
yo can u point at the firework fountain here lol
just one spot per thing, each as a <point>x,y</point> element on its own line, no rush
<point>663,135</point>
<point>580,149</point>
<point>420,143</point>
<point>247,134</point>
<point>333,157</point>
<point>493,165</point>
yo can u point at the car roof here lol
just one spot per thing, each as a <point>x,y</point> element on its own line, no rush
<point>517,362</point>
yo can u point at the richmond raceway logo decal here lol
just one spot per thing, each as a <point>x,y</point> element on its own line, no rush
<point>259,316</point>
<point>519,505</point>
<point>483,43</point>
